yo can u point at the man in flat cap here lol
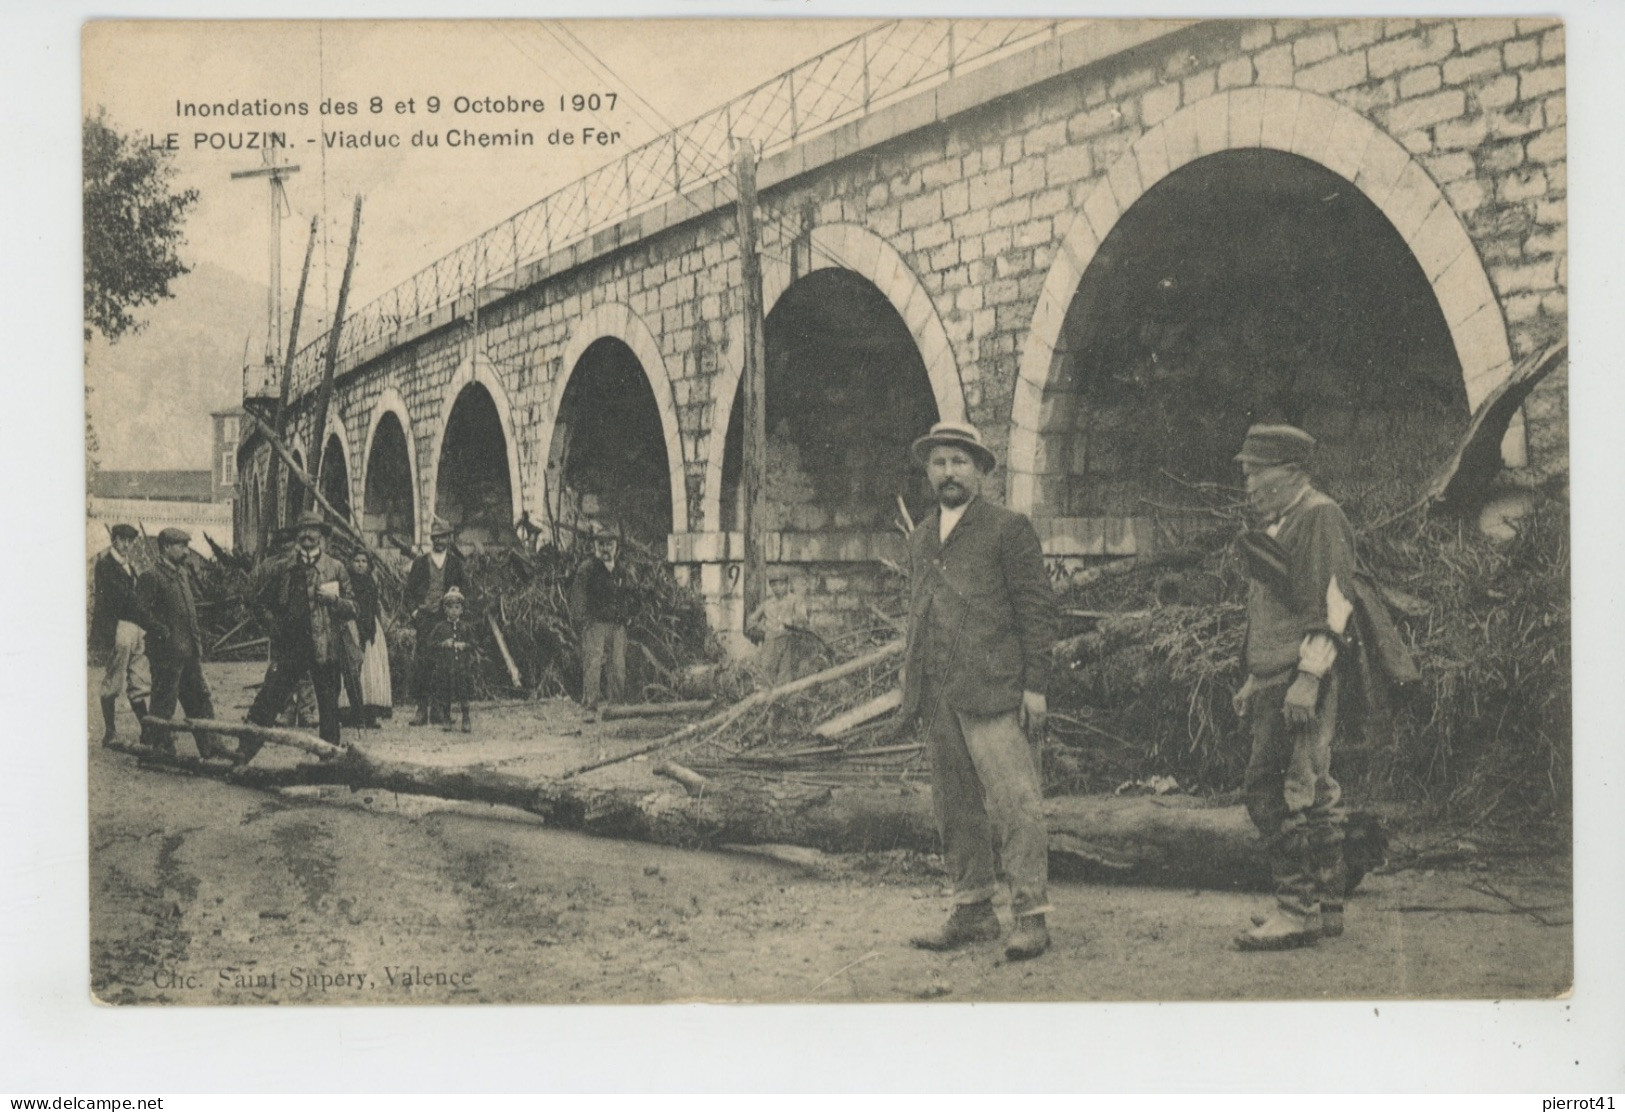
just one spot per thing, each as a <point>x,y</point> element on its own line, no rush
<point>308,598</point>
<point>432,574</point>
<point>115,631</point>
<point>982,622</point>
<point>1301,565</point>
<point>166,597</point>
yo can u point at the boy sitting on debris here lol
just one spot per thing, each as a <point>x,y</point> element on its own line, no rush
<point>451,644</point>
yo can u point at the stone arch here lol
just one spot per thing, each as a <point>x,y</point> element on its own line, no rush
<point>293,491</point>
<point>1314,127</point>
<point>335,430</point>
<point>390,401</point>
<point>472,370</point>
<point>857,249</point>
<point>619,321</point>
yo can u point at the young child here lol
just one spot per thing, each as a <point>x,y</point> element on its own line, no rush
<point>452,643</point>
<point>783,623</point>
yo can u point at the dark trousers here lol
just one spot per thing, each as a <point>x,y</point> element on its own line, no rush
<point>423,681</point>
<point>1293,799</point>
<point>179,679</point>
<point>282,680</point>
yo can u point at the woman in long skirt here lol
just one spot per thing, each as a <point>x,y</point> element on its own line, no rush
<point>376,694</point>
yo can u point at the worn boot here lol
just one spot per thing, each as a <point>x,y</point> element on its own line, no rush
<point>968,925</point>
<point>109,719</point>
<point>1331,877</point>
<point>422,716</point>
<point>1282,929</point>
<point>1028,940</point>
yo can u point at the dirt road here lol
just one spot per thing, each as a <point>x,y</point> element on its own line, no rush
<point>206,893</point>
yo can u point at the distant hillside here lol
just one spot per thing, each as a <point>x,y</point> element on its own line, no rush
<point>152,392</point>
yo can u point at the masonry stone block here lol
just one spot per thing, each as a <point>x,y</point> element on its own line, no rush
<point>1551,45</point>
<point>1416,82</point>
<point>1235,73</point>
<point>1474,33</point>
<point>1353,35</point>
<point>1552,213</point>
<point>1521,185</point>
<point>1159,103</point>
<point>1463,134</point>
<point>1255,35</point>
<point>1439,241</point>
<point>1279,117</point>
<point>990,188</point>
<point>1431,44</point>
<point>1246,117</point>
<point>1447,104</point>
<point>1274,66</point>
<point>1199,85</point>
<point>1101,210</point>
<point>1124,177</point>
<point>1150,153</point>
<point>1538,82</point>
<point>1498,158</point>
<point>1520,119</point>
<point>1314,48</point>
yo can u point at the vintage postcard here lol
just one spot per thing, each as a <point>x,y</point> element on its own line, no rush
<point>827,511</point>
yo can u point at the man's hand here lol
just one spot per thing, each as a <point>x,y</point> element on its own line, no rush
<point>1240,700</point>
<point>1302,699</point>
<point>1034,709</point>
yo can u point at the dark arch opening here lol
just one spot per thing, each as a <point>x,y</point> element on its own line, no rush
<point>1247,286</point>
<point>388,502</point>
<point>474,492</point>
<point>608,462</point>
<point>335,477</point>
<point>293,496</point>
<point>847,393</point>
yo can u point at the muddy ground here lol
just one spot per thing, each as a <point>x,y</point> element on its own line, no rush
<point>205,893</point>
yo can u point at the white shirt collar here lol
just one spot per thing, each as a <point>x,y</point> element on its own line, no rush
<point>949,519</point>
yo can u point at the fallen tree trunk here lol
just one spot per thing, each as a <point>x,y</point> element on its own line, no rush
<point>1172,840</point>
<point>654,710</point>
<point>275,735</point>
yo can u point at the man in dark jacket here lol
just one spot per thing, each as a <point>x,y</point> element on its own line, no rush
<point>308,598</point>
<point>167,600</point>
<point>603,639</point>
<point>982,623</point>
<point>115,631</point>
<point>1301,564</point>
<point>432,574</point>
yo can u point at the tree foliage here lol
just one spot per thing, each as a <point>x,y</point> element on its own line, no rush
<point>132,227</point>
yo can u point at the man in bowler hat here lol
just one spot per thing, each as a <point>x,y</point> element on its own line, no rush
<point>1301,566</point>
<point>982,622</point>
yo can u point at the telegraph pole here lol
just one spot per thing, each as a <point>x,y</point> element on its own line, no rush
<point>273,298</point>
<point>754,382</point>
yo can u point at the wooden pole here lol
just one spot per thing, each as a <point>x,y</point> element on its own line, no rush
<point>324,395</point>
<point>272,510</point>
<point>754,382</point>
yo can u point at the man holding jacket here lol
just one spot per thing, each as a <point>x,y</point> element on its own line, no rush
<point>982,623</point>
<point>308,598</point>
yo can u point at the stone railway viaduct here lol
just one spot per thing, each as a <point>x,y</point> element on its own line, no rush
<point>1111,250</point>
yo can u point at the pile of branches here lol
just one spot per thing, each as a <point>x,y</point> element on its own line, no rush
<point>528,593</point>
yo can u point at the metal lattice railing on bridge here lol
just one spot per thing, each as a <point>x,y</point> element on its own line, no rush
<point>893,61</point>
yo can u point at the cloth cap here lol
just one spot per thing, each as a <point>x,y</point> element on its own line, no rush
<point>956,434</point>
<point>310,519</point>
<point>440,528</point>
<point>1273,445</point>
<point>172,535</point>
<point>122,532</point>
<point>455,594</point>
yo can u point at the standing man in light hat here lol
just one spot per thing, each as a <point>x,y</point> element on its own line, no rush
<point>115,630</point>
<point>982,622</point>
<point>1301,564</point>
